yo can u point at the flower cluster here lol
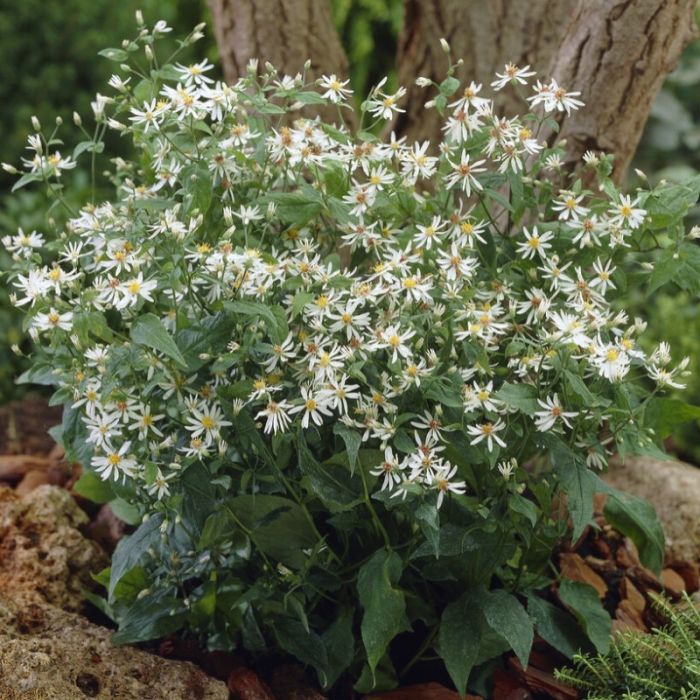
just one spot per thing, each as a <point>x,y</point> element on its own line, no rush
<point>382,291</point>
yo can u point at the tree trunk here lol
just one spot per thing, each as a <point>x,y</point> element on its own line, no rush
<point>284,32</point>
<point>486,36</point>
<point>618,53</point>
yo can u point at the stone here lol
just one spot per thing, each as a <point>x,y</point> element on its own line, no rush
<point>48,651</point>
<point>673,488</point>
<point>57,655</point>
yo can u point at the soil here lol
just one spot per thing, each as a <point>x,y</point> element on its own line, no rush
<point>52,540</point>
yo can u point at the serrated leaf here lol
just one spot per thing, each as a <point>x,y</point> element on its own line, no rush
<point>583,601</point>
<point>459,639</point>
<point>383,604</point>
<point>556,626</point>
<point>635,517</point>
<point>148,331</point>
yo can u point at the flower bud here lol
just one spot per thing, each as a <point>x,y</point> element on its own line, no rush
<point>423,82</point>
<point>149,53</point>
<point>139,17</point>
<point>9,169</point>
<point>36,124</point>
<point>59,121</point>
<point>76,119</point>
<point>445,46</point>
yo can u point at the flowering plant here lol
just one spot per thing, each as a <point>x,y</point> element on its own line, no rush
<point>340,382</point>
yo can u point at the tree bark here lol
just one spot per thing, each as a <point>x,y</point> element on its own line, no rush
<point>618,53</point>
<point>485,35</point>
<point>284,32</point>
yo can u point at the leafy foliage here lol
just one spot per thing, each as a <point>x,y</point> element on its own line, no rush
<point>338,384</point>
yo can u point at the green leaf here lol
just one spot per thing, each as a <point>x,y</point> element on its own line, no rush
<point>130,549</point>
<point>90,486</point>
<point>304,644</point>
<point>668,204</point>
<point>577,481</point>
<point>520,396</point>
<point>332,483</point>
<point>682,266</point>
<point>383,603</point>
<point>636,518</point>
<point>583,601</point>
<point>150,617</point>
<point>278,526</point>
<point>148,331</point>
<point>578,386</point>
<point>556,626</point>
<point>340,646</point>
<point>428,519</point>
<point>273,316</point>
<point>118,55</point>
<point>505,615</point>
<point>665,415</point>
<point>25,180</point>
<point>352,440</point>
<point>125,511</point>
<point>448,86</point>
<point>459,639</point>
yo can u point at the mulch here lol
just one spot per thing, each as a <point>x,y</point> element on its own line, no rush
<point>602,558</point>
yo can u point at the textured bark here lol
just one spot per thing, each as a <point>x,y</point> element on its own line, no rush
<point>485,34</point>
<point>284,32</point>
<point>617,53</point>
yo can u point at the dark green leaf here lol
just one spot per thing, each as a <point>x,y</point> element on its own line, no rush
<point>90,486</point>
<point>520,396</point>
<point>383,603</point>
<point>352,440</point>
<point>149,332</point>
<point>459,639</point>
<point>556,626</point>
<point>583,601</point>
<point>636,518</point>
<point>304,644</point>
<point>340,645</point>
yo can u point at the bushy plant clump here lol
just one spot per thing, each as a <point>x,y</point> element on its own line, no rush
<point>340,382</point>
<point>664,665</point>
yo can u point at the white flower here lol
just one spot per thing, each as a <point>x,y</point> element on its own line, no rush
<point>611,361</point>
<point>335,89</point>
<point>512,74</point>
<point>115,463</point>
<point>160,488</point>
<point>315,406</point>
<point>487,431</point>
<point>396,341</point>
<point>463,174</point>
<point>440,481</point>
<point>149,116</point>
<point>431,423</point>
<point>134,289</point>
<point>569,205</point>
<point>552,413</point>
<point>626,213</point>
<point>52,320</point>
<point>535,243</point>
<point>277,416</point>
<point>389,469</point>
<point>206,420</point>
<point>384,106</point>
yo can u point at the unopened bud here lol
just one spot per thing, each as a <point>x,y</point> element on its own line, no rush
<point>9,169</point>
<point>149,53</point>
<point>59,121</point>
<point>125,44</point>
<point>76,119</point>
<point>36,124</point>
<point>423,82</point>
<point>640,174</point>
<point>307,64</point>
<point>139,17</point>
<point>445,46</point>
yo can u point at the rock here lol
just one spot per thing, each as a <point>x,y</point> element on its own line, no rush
<point>47,650</point>
<point>673,488</point>
<point>673,583</point>
<point>43,555</point>
<point>575,568</point>
<point>56,655</point>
